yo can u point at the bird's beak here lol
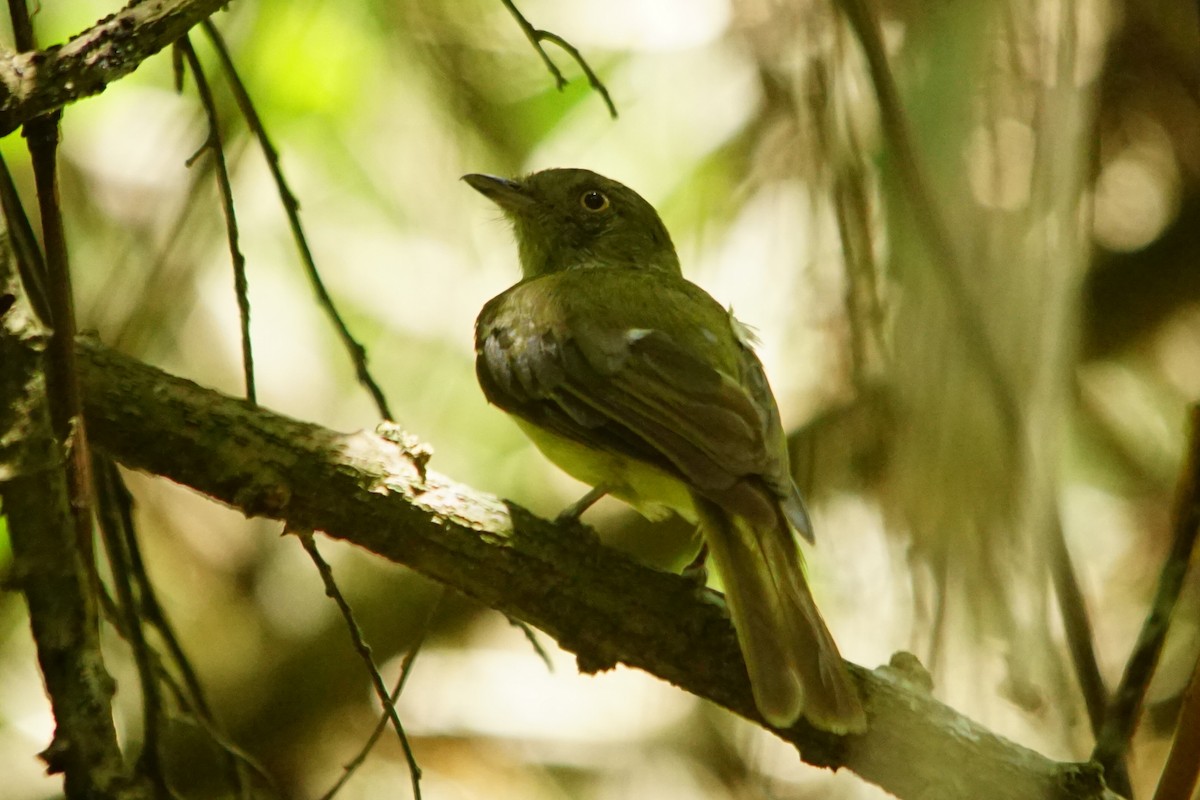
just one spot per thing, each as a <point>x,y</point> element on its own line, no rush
<point>510,195</point>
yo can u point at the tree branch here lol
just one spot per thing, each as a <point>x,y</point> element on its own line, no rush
<point>594,601</point>
<point>48,567</point>
<point>36,82</point>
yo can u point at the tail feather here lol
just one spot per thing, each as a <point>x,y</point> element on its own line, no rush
<point>794,665</point>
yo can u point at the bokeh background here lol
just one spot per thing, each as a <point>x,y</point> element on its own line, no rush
<point>971,359</point>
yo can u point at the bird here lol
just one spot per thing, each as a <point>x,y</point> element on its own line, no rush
<point>637,382</point>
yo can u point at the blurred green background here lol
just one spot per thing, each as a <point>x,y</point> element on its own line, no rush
<point>955,398</point>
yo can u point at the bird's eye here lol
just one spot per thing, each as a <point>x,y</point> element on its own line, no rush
<point>593,200</point>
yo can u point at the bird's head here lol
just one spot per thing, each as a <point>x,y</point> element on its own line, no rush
<point>570,218</point>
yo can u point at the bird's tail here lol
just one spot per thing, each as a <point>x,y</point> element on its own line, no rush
<point>794,665</point>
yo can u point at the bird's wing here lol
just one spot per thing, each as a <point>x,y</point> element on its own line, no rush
<point>598,377</point>
<point>521,369</point>
<point>693,416</point>
<point>779,474</point>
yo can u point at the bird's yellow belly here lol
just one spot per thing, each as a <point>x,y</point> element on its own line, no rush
<point>647,488</point>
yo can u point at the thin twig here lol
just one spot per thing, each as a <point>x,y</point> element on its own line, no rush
<point>1122,715</point>
<point>405,669</point>
<point>219,738</point>
<point>362,648</point>
<point>536,36</point>
<point>213,144</point>
<point>1078,627</point>
<point>531,637</point>
<point>150,612</point>
<point>110,523</point>
<point>291,207</point>
<point>30,264</point>
<point>1181,774</point>
<point>66,407</point>
<point>149,607</point>
<point>185,701</point>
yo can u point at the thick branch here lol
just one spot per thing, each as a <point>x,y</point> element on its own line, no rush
<point>595,602</point>
<point>41,81</point>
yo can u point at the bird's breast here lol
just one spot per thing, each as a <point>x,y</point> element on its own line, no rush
<point>650,490</point>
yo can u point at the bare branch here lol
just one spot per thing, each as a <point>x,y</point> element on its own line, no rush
<point>305,535</point>
<point>389,707</point>
<point>214,145</point>
<point>536,36</point>
<point>1181,775</point>
<point>1123,713</point>
<point>291,207</point>
<point>33,83</point>
<point>116,546</point>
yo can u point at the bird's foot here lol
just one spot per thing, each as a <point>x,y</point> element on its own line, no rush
<point>713,597</point>
<point>571,514</point>
<point>696,573</point>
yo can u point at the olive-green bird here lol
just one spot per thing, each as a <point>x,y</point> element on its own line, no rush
<point>636,381</point>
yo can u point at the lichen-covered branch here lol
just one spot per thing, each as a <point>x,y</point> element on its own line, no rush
<point>598,604</point>
<point>44,80</point>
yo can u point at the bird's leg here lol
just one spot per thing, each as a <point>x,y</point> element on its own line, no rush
<point>571,514</point>
<point>697,571</point>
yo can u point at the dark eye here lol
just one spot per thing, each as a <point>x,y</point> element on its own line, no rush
<point>593,200</point>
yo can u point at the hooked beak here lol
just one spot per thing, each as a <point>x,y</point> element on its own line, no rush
<point>510,195</point>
